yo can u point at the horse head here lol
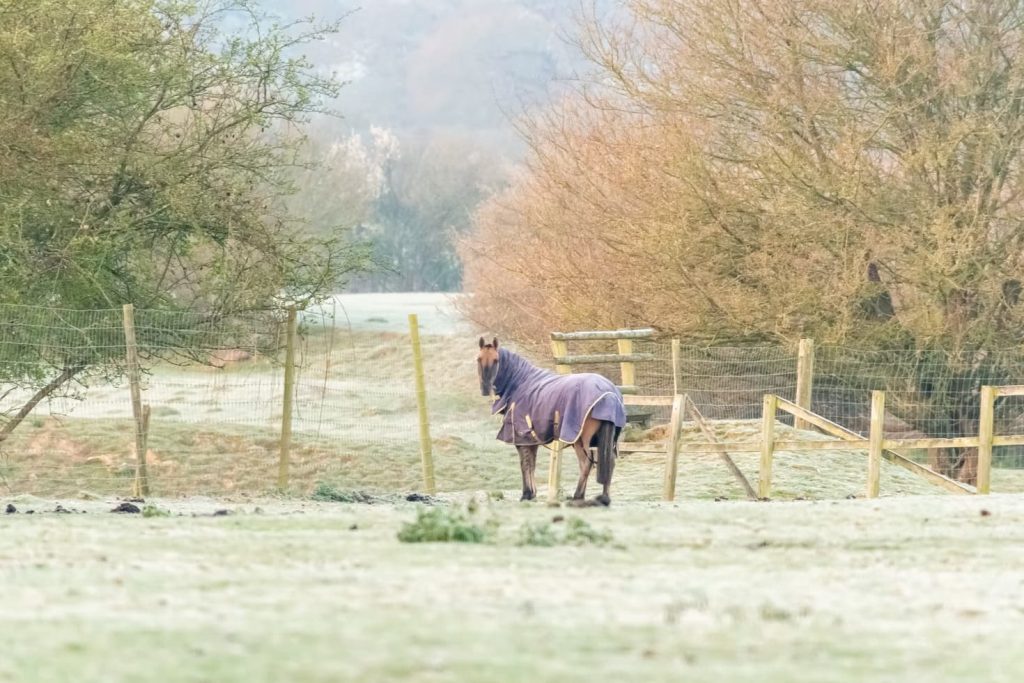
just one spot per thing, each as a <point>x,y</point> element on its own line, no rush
<point>487,366</point>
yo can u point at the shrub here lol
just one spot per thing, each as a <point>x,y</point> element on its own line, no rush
<point>154,511</point>
<point>327,493</point>
<point>577,532</point>
<point>443,525</point>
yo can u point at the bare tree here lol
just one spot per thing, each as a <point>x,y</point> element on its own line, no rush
<point>765,169</point>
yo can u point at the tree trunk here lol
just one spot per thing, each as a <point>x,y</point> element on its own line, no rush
<point>54,384</point>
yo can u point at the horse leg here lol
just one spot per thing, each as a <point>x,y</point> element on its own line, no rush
<point>582,448</point>
<point>607,454</point>
<point>528,463</point>
<point>583,456</point>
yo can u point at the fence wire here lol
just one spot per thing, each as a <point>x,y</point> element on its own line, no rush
<point>215,387</point>
<point>928,394</point>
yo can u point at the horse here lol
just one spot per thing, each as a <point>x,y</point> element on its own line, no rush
<point>540,407</point>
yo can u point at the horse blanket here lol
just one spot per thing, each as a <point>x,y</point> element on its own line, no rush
<point>540,406</point>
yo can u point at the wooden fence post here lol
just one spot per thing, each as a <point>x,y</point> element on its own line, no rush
<point>134,384</point>
<point>146,414</point>
<point>426,448</point>
<point>672,460</point>
<point>804,379</point>
<point>559,349</point>
<point>676,376</point>
<point>986,432</point>
<point>764,488</point>
<point>289,395</point>
<point>628,368</point>
<point>876,438</point>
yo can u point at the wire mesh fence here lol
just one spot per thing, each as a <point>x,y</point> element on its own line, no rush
<point>929,394</point>
<point>215,388</point>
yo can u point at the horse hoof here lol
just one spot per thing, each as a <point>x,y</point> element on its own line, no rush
<point>604,500</point>
<point>527,498</point>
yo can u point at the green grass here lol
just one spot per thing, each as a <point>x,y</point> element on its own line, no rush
<point>444,525</point>
<point>914,588</point>
<point>561,531</point>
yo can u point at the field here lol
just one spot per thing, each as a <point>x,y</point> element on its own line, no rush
<point>813,586</point>
<point>926,588</point>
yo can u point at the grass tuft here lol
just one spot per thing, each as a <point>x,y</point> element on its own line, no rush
<point>445,525</point>
<point>329,494</point>
<point>154,511</point>
<point>577,532</point>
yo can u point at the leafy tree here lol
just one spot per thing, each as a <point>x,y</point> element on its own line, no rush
<point>761,170</point>
<point>337,188</point>
<point>146,149</point>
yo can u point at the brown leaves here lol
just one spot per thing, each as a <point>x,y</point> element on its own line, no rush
<point>737,167</point>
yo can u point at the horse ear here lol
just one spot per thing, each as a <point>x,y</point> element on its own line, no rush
<point>481,342</point>
<point>495,343</point>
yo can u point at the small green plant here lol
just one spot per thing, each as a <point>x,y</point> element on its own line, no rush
<point>577,532</point>
<point>154,511</point>
<point>444,525</point>
<point>327,493</point>
<point>540,534</point>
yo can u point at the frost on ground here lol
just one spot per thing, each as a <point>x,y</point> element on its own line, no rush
<point>912,588</point>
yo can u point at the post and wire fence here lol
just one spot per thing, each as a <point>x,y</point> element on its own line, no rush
<point>935,408</point>
<point>162,403</point>
<point>130,400</point>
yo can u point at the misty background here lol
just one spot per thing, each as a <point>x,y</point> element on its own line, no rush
<point>434,88</point>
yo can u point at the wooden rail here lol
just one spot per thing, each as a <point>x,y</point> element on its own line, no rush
<point>597,358</point>
<point>844,444</point>
<point>878,447</point>
<point>726,458</point>
<point>876,444</point>
<point>631,400</point>
<point>854,439</point>
<point>604,335</point>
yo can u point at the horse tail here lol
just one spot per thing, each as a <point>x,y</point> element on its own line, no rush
<point>606,437</point>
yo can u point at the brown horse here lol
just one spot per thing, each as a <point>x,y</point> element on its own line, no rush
<point>540,407</point>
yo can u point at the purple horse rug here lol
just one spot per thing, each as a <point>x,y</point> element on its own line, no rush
<point>540,406</point>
